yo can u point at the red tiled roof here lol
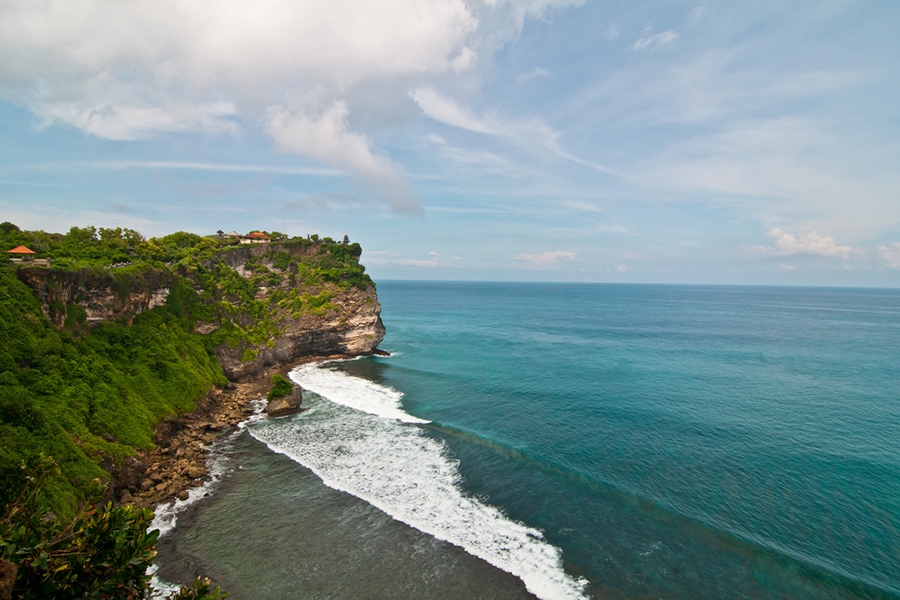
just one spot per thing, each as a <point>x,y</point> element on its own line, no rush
<point>257,235</point>
<point>20,250</point>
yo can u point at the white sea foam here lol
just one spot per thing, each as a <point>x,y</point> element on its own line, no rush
<point>357,445</point>
<point>354,392</point>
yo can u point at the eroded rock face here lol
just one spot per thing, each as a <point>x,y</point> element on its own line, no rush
<point>101,296</point>
<point>353,328</point>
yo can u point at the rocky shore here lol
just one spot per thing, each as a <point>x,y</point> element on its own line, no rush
<point>178,462</point>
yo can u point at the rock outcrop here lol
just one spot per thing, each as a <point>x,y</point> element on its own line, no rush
<point>353,328</point>
<point>349,324</point>
<point>287,405</point>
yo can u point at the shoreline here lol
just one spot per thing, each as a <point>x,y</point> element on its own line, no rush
<point>178,462</point>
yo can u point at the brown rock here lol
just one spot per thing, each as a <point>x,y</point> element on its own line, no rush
<point>156,477</point>
<point>126,498</point>
<point>195,471</point>
<point>8,572</point>
<point>146,484</point>
<point>183,495</point>
<point>285,406</point>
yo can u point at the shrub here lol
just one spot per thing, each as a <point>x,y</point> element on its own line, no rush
<point>102,551</point>
<point>281,387</point>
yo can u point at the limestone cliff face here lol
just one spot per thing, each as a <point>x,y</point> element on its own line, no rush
<point>102,296</point>
<point>348,323</point>
<point>353,327</point>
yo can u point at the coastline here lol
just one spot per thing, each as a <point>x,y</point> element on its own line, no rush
<point>179,460</point>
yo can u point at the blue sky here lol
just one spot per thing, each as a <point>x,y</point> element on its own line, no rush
<point>619,141</point>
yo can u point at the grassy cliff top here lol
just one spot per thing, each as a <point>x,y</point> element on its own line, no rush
<point>92,247</point>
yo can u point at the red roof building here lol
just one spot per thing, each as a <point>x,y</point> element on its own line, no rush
<point>21,250</point>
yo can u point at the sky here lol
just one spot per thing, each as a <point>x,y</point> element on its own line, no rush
<point>723,142</point>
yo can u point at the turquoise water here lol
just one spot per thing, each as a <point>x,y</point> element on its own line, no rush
<point>591,440</point>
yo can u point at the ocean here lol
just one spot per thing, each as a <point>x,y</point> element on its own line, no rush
<point>573,441</point>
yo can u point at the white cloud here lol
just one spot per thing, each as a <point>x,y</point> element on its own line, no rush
<point>445,110</point>
<point>326,138</point>
<point>526,77</point>
<point>891,256</point>
<point>463,61</point>
<point>611,32</point>
<point>546,260</point>
<point>812,243</point>
<point>134,121</point>
<point>136,69</point>
<point>786,267</point>
<point>621,268</point>
<point>657,40</point>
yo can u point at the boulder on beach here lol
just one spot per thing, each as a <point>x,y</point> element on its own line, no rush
<point>288,405</point>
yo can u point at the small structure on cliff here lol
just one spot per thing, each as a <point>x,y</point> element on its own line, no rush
<point>255,237</point>
<point>21,254</point>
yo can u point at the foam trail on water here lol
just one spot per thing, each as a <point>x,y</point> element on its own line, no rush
<point>353,392</point>
<point>395,467</point>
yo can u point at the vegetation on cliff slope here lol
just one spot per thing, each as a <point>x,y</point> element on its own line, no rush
<point>88,395</point>
<point>89,391</point>
<point>101,551</point>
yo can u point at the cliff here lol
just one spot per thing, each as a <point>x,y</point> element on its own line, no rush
<point>121,334</point>
<point>263,305</point>
<point>300,306</point>
<point>91,296</point>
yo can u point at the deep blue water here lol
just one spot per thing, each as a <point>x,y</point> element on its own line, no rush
<point>667,441</point>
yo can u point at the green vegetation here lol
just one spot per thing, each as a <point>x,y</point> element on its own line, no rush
<point>100,552</point>
<point>89,393</point>
<point>281,387</point>
<point>86,399</point>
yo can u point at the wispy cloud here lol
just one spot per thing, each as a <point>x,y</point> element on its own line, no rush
<point>546,260</point>
<point>606,228</point>
<point>526,77</point>
<point>524,133</point>
<point>812,243</point>
<point>695,15</point>
<point>327,200</point>
<point>891,255</point>
<point>655,40</point>
<point>185,166</point>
